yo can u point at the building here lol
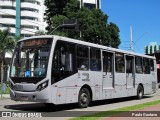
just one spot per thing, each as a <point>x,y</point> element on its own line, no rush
<point>152,48</point>
<point>23,17</point>
<point>91,3</point>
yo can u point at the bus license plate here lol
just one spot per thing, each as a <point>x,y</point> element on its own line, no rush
<point>24,98</point>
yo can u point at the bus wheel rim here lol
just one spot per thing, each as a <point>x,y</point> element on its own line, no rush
<point>84,98</point>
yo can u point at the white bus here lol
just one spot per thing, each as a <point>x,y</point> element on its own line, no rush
<point>60,70</point>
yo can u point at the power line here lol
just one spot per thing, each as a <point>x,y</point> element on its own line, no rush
<point>140,37</point>
<point>124,47</point>
<point>125,41</point>
<point>136,46</point>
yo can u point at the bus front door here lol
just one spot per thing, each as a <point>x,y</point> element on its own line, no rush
<point>130,76</point>
<point>108,70</point>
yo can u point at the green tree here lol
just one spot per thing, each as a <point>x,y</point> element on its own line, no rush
<point>55,22</point>
<point>113,31</point>
<point>54,7</point>
<point>6,44</point>
<point>94,26</point>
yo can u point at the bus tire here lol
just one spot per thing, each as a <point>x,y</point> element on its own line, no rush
<point>84,98</point>
<point>140,92</point>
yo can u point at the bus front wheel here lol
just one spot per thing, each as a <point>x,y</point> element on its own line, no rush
<point>140,92</point>
<point>84,98</point>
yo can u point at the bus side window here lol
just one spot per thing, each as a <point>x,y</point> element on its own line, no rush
<point>146,67</point>
<point>95,59</point>
<point>152,65</point>
<point>82,57</point>
<point>129,62</point>
<point>139,68</point>
<point>107,62</point>
<point>119,63</point>
<point>64,61</point>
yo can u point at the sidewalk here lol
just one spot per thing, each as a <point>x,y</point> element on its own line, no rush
<point>143,114</point>
<point>4,96</point>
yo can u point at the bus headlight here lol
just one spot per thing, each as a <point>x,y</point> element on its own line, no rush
<point>42,86</point>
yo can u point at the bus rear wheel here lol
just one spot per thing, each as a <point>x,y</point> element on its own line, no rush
<point>140,92</point>
<point>84,98</point>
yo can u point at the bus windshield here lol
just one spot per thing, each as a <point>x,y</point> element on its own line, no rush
<point>30,58</point>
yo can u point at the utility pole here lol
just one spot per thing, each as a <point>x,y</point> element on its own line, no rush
<point>2,65</point>
<point>81,4</point>
<point>131,40</point>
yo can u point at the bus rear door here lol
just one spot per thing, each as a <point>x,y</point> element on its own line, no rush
<point>130,71</point>
<point>108,70</point>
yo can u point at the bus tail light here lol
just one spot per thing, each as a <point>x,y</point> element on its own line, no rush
<point>42,86</point>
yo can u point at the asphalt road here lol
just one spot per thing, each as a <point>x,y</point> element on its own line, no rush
<point>63,112</point>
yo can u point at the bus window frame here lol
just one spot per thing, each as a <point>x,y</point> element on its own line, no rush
<point>62,72</point>
<point>122,57</point>
<point>86,59</point>
<point>95,60</point>
<point>139,65</point>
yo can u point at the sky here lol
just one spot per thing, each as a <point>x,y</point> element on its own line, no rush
<point>142,15</point>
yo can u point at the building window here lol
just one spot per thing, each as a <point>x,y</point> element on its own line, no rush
<point>7,25</point>
<point>29,27</point>
<point>31,1</point>
<point>29,18</point>
<point>30,9</point>
<point>90,5</point>
<point>8,7</point>
<point>26,35</point>
<point>7,16</point>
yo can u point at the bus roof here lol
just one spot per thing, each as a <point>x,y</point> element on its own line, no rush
<point>88,44</point>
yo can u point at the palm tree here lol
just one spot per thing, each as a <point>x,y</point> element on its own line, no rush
<point>6,44</point>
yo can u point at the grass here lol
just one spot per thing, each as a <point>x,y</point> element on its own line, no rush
<point>6,91</point>
<point>97,116</point>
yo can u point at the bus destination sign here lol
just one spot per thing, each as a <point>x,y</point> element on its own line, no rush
<point>34,42</point>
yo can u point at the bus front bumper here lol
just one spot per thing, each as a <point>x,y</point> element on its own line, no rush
<point>38,96</point>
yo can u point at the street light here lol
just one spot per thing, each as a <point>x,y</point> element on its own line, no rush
<point>68,25</point>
